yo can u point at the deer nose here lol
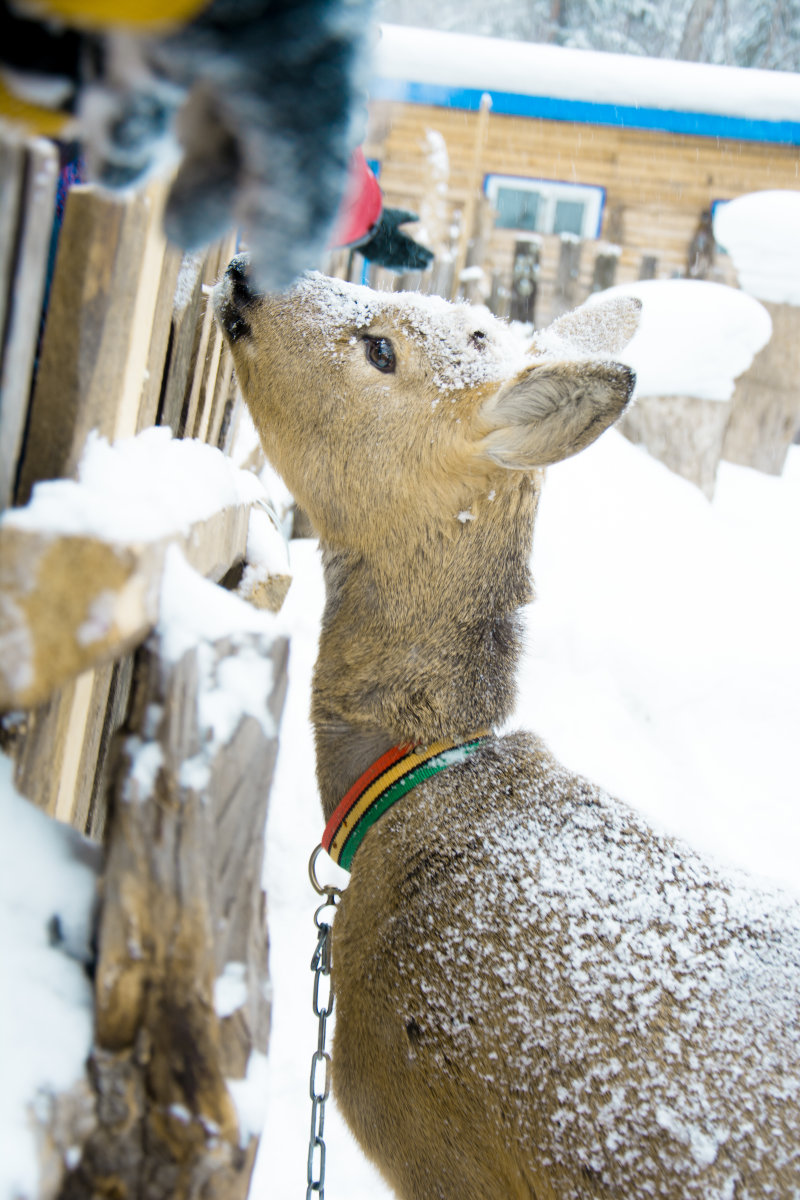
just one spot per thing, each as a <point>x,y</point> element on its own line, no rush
<point>232,298</point>
<point>239,280</point>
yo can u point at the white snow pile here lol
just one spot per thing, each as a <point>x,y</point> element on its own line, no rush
<point>194,612</point>
<point>341,311</point>
<point>761,232</point>
<point>250,1097</point>
<point>48,875</point>
<point>138,489</point>
<point>267,552</point>
<point>694,338</point>
<point>438,158</point>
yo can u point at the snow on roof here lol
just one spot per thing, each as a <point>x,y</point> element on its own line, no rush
<point>694,338</point>
<point>761,232</point>
<point>434,67</point>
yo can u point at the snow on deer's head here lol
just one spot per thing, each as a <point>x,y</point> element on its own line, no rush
<point>387,412</point>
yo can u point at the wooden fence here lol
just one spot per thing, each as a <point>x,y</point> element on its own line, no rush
<point>102,708</point>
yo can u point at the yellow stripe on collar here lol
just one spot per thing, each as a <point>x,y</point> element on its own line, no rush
<point>393,775</point>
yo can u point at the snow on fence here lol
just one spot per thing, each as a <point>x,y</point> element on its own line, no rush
<point>140,701</point>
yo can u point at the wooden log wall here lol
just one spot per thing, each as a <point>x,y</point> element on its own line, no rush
<point>657,184</point>
<point>128,342</point>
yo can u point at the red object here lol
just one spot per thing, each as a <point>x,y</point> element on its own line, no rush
<point>361,205</point>
<point>362,783</point>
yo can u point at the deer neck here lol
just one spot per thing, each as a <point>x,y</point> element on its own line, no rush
<point>420,642</point>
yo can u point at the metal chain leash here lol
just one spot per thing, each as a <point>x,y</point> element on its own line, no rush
<point>319,1086</point>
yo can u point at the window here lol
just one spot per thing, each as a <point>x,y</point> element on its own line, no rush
<point>545,205</point>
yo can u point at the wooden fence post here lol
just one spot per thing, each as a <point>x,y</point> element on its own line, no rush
<point>524,281</point>
<point>605,270</point>
<point>686,433</point>
<point>28,179</point>
<point>182,1012</point>
<point>183,910</point>
<point>765,410</point>
<point>566,290</point>
<point>473,184</point>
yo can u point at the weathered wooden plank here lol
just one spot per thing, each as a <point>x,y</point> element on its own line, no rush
<point>567,293</point>
<point>197,410</point>
<point>86,348</point>
<point>207,383</point>
<point>110,702</point>
<point>183,340</point>
<point>605,270</point>
<point>62,754</point>
<point>223,394</point>
<point>183,909</point>
<point>23,301</point>
<point>41,747</point>
<point>683,432</point>
<point>157,355</point>
<point>765,411</point>
<point>525,274</point>
<point>71,602</point>
<point>208,335</point>
<point>147,271</point>
<point>12,171</point>
<point>265,577</point>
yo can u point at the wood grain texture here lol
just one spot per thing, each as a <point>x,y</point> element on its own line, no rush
<point>765,410</point>
<point>182,901</point>
<point>683,432</point>
<point>27,205</point>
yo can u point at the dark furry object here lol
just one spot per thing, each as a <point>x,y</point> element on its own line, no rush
<point>391,248</point>
<point>267,99</point>
<point>276,102</point>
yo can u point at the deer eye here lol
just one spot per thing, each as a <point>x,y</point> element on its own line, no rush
<point>380,353</point>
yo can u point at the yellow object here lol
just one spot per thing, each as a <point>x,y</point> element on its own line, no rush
<point>47,122</point>
<point>103,14</point>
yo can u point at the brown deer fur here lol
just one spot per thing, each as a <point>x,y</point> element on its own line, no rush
<point>537,995</point>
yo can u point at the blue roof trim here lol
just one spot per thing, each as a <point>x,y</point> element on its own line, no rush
<point>662,120</point>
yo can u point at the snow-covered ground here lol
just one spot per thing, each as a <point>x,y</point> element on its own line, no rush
<point>48,881</point>
<point>663,661</point>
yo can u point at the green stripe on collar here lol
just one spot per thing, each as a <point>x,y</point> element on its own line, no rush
<point>394,774</point>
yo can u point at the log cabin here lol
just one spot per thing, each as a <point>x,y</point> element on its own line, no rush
<point>569,169</point>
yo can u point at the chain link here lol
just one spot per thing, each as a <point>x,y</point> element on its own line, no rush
<point>319,1086</point>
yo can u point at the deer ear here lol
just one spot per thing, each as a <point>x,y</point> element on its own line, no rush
<point>597,329</point>
<point>554,409</point>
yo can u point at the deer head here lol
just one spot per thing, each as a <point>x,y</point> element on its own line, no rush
<point>397,411</point>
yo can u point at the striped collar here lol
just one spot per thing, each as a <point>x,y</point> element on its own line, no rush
<point>394,774</point>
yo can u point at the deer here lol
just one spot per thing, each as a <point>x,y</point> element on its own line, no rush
<point>538,994</point>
